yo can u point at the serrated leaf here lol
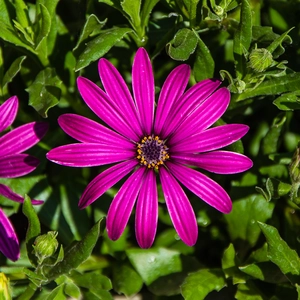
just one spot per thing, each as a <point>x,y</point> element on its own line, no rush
<point>100,45</point>
<point>13,70</point>
<point>288,101</point>
<point>199,284</point>
<point>273,86</point>
<point>204,63</point>
<point>154,263</point>
<point>242,38</point>
<point>183,45</point>
<point>44,92</point>
<point>279,252</point>
<point>33,230</point>
<point>45,26</point>
<point>92,25</point>
<point>242,221</point>
<point>76,253</point>
<point>126,280</point>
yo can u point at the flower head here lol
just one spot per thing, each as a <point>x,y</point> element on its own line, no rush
<point>14,163</point>
<point>149,141</point>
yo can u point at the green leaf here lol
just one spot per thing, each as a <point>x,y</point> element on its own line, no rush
<point>183,45</point>
<point>249,291</point>
<point>199,284</point>
<point>93,281</point>
<point>288,101</point>
<point>242,38</point>
<point>270,142</point>
<point>252,209</point>
<point>21,12</point>
<point>204,63</point>
<point>91,26</point>
<point>100,45</point>
<point>278,43</point>
<point>273,86</point>
<point>45,91</point>
<point>132,9</point>
<point>45,25</point>
<point>126,280</point>
<point>229,266</point>
<point>146,11</point>
<point>76,253</point>
<point>13,70</point>
<point>57,293</point>
<point>154,263</point>
<point>72,290</point>
<point>279,252</point>
<point>34,229</point>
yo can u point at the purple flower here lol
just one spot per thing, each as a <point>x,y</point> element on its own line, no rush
<point>146,140</point>
<point>14,163</point>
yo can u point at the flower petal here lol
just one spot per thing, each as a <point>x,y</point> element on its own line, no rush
<point>88,154</point>
<point>122,204</point>
<point>211,139</point>
<point>9,244</point>
<point>9,194</point>
<point>179,207</point>
<point>104,181</point>
<point>118,92</point>
<point>22,138</point>
<point>17,165</point>
<point>171,91</point>
<point>202,186</point>
<point>143,89</point>
<point>147,211</point>
<point>88,131</point>
<point>207,113</point>
<point>105,108</point>
<point>192,98</point>
<point>220,162</point>
<point>8,112</point>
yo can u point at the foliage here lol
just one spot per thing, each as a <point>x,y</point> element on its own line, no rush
<point>252,45</point>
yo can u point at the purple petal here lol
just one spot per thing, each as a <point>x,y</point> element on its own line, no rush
<point>191,99</point>
<point>88,131</point>
<point>172,89</point>
<point>17,165</point>
<point>220,162</point>
<point>22,138</point>
<point>179,207</point>
<point>9,244</point>
<point>118,92</point>
<point>147,211</point>
<point>88,154</point>
<point>8,112</point>
<point>104,181</point>
<point>122,204</point>
<point>105,108</point>
<point>211,139</point>
<point>202,186</point>
<point>207,113</point>
<point>143,89</point>
<point>9,194</point>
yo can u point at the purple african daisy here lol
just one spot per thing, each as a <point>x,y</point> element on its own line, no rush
<point>14,163</point>
<point>147,140</point>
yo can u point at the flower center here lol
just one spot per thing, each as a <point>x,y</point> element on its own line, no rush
<point>152,152</point>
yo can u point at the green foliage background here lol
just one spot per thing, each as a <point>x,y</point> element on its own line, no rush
<point>251,253</point>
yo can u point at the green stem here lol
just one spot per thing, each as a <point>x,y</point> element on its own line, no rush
<point>29,292</point>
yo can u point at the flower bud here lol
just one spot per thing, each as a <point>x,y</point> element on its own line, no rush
<point>5,293</point>
<point>45,245</point>
<point>260,59</point>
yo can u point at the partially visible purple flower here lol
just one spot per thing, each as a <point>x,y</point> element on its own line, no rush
<point>14,163</point>
<point>145,140</point>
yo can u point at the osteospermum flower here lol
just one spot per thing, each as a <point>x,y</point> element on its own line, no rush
<point>14,163</point>
<point>146,141</point>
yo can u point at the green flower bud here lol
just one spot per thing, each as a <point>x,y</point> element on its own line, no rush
<point>260,59</point>
<point>45,245</point>
<point>5,293</point>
